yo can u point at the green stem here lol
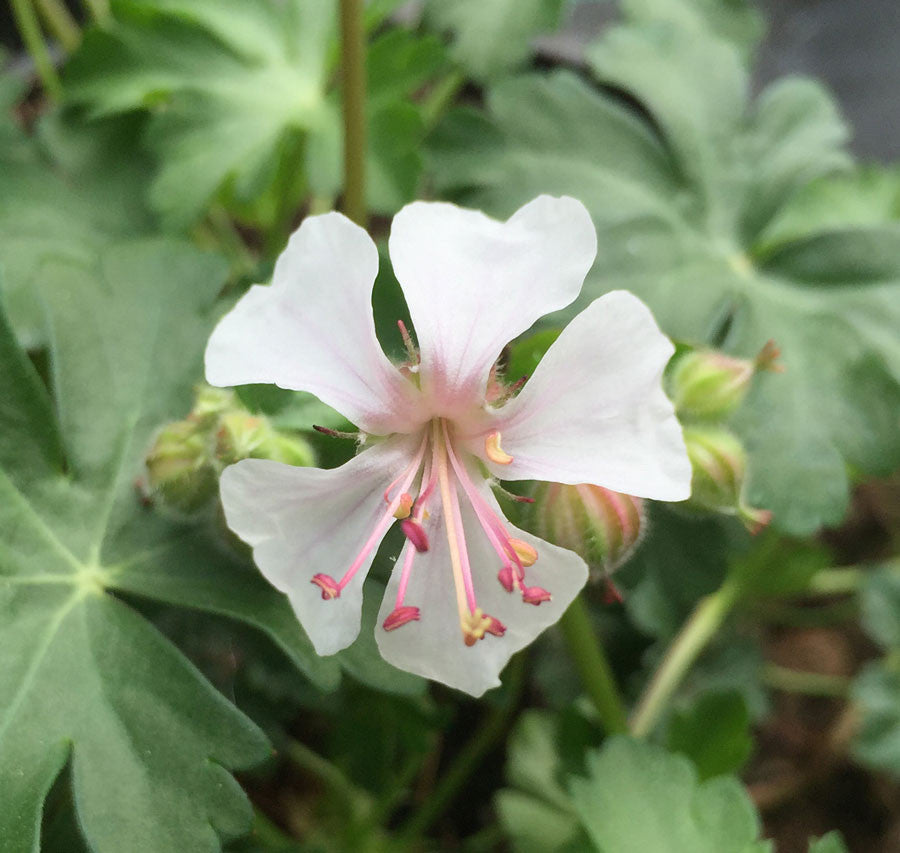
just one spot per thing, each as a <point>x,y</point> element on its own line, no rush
<point>230,241</point>
<point>329,775</point>
<point>470,757</point>
<point>836,581</point>
<point>60,22</point>
<point>708,616</point>
<point>809,683</point>
<point>33,39</point>
<point>98,9</point>
<point>353,86</point>
<point>440,97</point>
<point>593,667</point>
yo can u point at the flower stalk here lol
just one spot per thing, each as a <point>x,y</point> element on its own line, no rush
<point>708,617</point>
<point>30,31</point>
<point>593,667</point>
<point>353,87</point>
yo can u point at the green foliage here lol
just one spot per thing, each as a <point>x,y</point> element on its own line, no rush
<point>242,105</point>
<point>714,732</point>
<point>682,218</point>
<point>638,797</point>
<point>493,38</point>
<point>65,193</point>
<point>830,843</point>
<point>149,739</point>
<point>876,690</point>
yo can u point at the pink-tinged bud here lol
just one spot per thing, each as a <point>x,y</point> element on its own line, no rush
<point>210,403</point>
<point>507,578</point>
<point>404,507</point>
<point>400,616</point>
<point>709,385</point>
<point>719,465</point>
<point>600,525</point>
<point>180,469</point>
<point>415,533</point>
<point>328,585</point>
<point>535,595</point>
<point>611,593</point>
<point>496,627</point>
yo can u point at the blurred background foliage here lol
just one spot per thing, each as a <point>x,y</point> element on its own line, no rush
<point>154,157</point>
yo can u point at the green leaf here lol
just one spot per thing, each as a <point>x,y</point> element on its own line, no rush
<point>681,207</point>
<point>233,86</point>
<point>637,797</point>
<point>86,678</point>
<point>64,193</point>
<point>833,842</point>
<point>714,732</point>
<point>492,38</point>
<point>735,20</point>
<point>876,691</point>
<point>536,810</point>
<point>776,566</point>
<point>879,601</point>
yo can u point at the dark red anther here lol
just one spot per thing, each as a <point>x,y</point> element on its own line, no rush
<point>400,616</point>
<point>415,533</point>
<point>535,595</point>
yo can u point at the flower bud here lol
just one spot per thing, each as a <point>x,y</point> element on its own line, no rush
<point>707,384</point>
<point>598,524</point>
<point>242,435</point>
<point>719,464</point>
<point>179,467</point>
<point>210,403</point>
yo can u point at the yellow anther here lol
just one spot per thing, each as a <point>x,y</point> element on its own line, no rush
<point>494,451</point>
<point>474,626</point>
<point>526,554</point>
<point>404,507</point>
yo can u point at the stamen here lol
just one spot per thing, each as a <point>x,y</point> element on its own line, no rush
<point>404,507</point>
<point>400,616</point>
<point>497,628</point>
<point>494,451</point>
<point>408,343</point>
<point>334,433</point>
<point>526,554</point>
<point>383,524</point>
<point>462,577</point>
<point>475,625</point>
<point>416,534</point>
<point>507,577</point>
<point>535,595</point>
<point>329,586</point>
<point>419,513</point>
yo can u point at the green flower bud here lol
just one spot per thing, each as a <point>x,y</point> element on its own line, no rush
<point>210,403</point>
<point>719,464</point>
<point>179,467</point>
<point>242,435</point>
<point>707,384</point>
<point>598,524</point>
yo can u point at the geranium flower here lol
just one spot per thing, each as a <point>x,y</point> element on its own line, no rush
<point>469,588</point>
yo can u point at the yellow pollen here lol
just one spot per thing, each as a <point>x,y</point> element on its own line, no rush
<point>404,507</point>
<point>526,554</point>
<point>474,626</point>
<point>494,451</point>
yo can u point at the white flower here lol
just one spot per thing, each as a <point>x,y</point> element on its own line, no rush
<point>469,589</point>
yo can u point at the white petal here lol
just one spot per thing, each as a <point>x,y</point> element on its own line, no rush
<point>433,647</point>
<point>472,283</point>
<point>595,412</point>
<point>312,329</point>
<point>305,521</point>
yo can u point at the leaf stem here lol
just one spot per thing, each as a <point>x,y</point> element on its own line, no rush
<point>353,87</point>
<point>330,776</point>
<point>33,39</point>
<point>98,9</point>
<point>593,667</point>
<point>702,625</point>
<point>836,581</point>
<point>440,97</point>
<point>809,683</point>
<point>60,22</point>
<point>469,758</point>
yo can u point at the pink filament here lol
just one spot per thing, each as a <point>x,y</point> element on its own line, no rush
<point>388,518</point>
<point>429,477</point>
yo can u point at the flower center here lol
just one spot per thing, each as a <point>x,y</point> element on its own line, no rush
<point>437,467</point>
